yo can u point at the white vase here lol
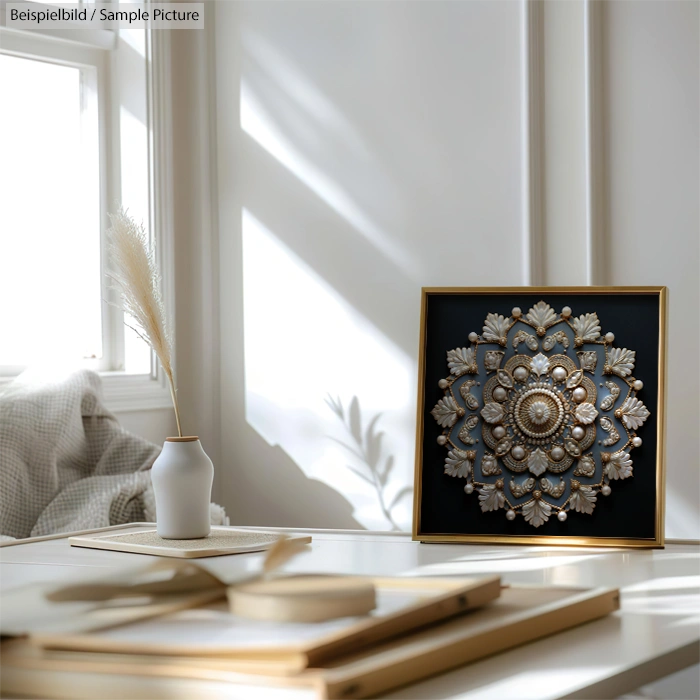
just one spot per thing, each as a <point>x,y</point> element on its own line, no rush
<point>182,477</point>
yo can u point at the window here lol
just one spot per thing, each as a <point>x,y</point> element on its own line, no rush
<point>76,133</point>
<point>50,214</point>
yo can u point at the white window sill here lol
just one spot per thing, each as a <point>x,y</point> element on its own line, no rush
<point>129,392</point>
<point>134,392</point>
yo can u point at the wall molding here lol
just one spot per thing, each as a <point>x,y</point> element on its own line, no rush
<point>532,140</point>
<point>195,230</point>
<point>596,273</point>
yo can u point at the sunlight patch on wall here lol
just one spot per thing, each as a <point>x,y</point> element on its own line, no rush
<point>260,125</point>
<point>303,342</point>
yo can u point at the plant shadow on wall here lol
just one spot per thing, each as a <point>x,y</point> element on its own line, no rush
<point>367,449</point>
<point>307,167</point>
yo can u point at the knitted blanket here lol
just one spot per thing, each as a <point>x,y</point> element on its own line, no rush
<point>65,462</point>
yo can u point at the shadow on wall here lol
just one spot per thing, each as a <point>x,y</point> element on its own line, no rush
<point>278,485</point>
<point>334,207</point>
<point>302,340</point>
<point>367,448</point>
<point>317,255</point>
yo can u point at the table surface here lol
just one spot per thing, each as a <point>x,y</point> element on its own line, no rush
<point>655,633</point>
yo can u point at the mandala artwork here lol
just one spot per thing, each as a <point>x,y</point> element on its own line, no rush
<point>557,407</point>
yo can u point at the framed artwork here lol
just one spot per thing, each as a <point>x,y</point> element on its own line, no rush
<point>541,416</point>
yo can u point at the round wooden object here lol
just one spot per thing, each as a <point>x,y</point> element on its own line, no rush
<point>303,598</point>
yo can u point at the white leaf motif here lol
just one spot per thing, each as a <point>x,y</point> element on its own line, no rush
<point>551,340</point>
<point>493,359</point>
<point>619,466</point>
<point>461,360</point>
<point>540,364</point>
<point>493,412</point>
<point>587,327</point>
<point>620,361</point>
<point>582,499</point>
<point>633,413</point>
<point>459,463</point>
<point>588,360</point>
<point>609,401</point>
<point>489,465</point>
<point>586,413</point>
<point>469,398</point>
<point>609,427</point>
<point>468,426</point>
<point>446,412</point>
<point>491,498</point>
<point>537,462</point>
<point>537,512</point>
<point>555,490</point>
<point>519,490</point>
<point>541,315</point>
<point>496,328</point>
<point>527,338</point>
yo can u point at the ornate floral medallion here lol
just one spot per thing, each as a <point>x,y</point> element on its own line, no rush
<point>543,420</point>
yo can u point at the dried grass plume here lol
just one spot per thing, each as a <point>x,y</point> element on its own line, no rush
<point>135,276</point>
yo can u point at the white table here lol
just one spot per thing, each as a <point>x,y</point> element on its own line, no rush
<point>656,632</point>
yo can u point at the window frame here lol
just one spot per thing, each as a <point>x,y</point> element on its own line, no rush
<point>94,50</point>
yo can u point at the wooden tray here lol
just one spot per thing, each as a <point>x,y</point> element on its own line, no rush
<point>222,541</point>
<point>522,614</point>
<point>404,605</point>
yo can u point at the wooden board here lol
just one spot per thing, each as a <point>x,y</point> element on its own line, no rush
<point>403,605</point>
<point>221,541</point>
<point>522,614</point>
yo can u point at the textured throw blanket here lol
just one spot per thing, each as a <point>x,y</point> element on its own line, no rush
<point>66,463</point>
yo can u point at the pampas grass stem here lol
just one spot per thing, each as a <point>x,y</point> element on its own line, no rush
<point>173,394</point>
<point>135,276</point>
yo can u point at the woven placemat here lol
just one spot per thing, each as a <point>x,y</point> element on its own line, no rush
<point>216,540</point>
<point>221,541</point>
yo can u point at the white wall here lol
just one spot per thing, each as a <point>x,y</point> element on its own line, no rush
<point>367,149</point>
<point>154,425</point>
<point>372,139</point>
<point>652,122</point>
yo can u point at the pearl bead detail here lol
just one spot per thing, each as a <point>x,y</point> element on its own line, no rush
<point>637,441</point>
<point>609,337</point>
<point>638,385</point>
<point>557,454</point>
<point>559,374</point>
<point>498,432</point>
<point>520,373</point>
<point>473,337</point>
<point>442,440</point>
<point>510,515</point>
<point>578,433</point>
<point>516,312</point>
<point>443,383</point>
<point>517,453</point>
<point>606,490</point>
<point>500,394</point>
<point>561,516</point>
<point>579,394</point>
<point>468,488</point>
<point>566,312</point>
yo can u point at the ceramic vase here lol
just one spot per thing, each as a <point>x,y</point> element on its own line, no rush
<point>182,477</point>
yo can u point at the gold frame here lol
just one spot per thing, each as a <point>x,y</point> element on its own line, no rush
<point>658,540</point>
